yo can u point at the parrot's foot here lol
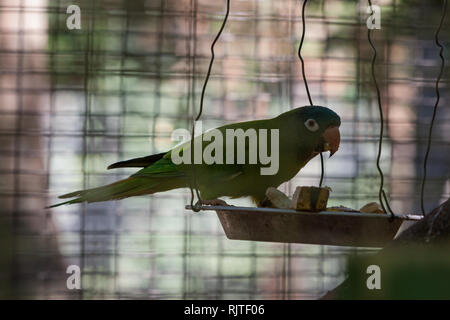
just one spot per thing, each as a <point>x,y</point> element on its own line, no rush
<point>213,202</point>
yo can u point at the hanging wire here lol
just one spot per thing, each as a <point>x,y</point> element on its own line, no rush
<point>199,114</point>
<point>306,82</point>
<point>381,194</point>
<point>427,153</point>
<point>190,99</point>
<point>191,90</point>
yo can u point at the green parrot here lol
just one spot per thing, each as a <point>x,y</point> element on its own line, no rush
<point>302,133</point>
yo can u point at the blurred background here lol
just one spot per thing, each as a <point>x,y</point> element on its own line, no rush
<point>74,101</point>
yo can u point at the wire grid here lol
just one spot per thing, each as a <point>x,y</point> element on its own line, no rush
<point>74,101</point>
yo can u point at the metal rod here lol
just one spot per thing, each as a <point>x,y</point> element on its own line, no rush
<point>321,213</point>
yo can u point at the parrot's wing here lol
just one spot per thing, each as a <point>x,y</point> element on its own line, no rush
<point>137,162</point>
<point>163,168</point>
<point>209,177</point>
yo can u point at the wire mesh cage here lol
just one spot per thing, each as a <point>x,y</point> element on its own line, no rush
<point>74,100</point>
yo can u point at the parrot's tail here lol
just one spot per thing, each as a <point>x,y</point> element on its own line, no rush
<point>132,186</point>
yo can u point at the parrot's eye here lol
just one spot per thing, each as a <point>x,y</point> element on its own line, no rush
<point>312,125</point>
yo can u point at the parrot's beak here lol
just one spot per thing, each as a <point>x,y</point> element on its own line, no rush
<point>332,138</point>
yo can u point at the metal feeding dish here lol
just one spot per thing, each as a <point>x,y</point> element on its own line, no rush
<point>323,228</point>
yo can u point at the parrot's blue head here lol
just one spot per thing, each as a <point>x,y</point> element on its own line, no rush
<point>321,126</point>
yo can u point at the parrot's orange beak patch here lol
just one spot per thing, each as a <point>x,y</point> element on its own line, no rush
<point>332,138</point>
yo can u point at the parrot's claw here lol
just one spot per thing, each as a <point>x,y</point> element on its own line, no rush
<point>213,202</point>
